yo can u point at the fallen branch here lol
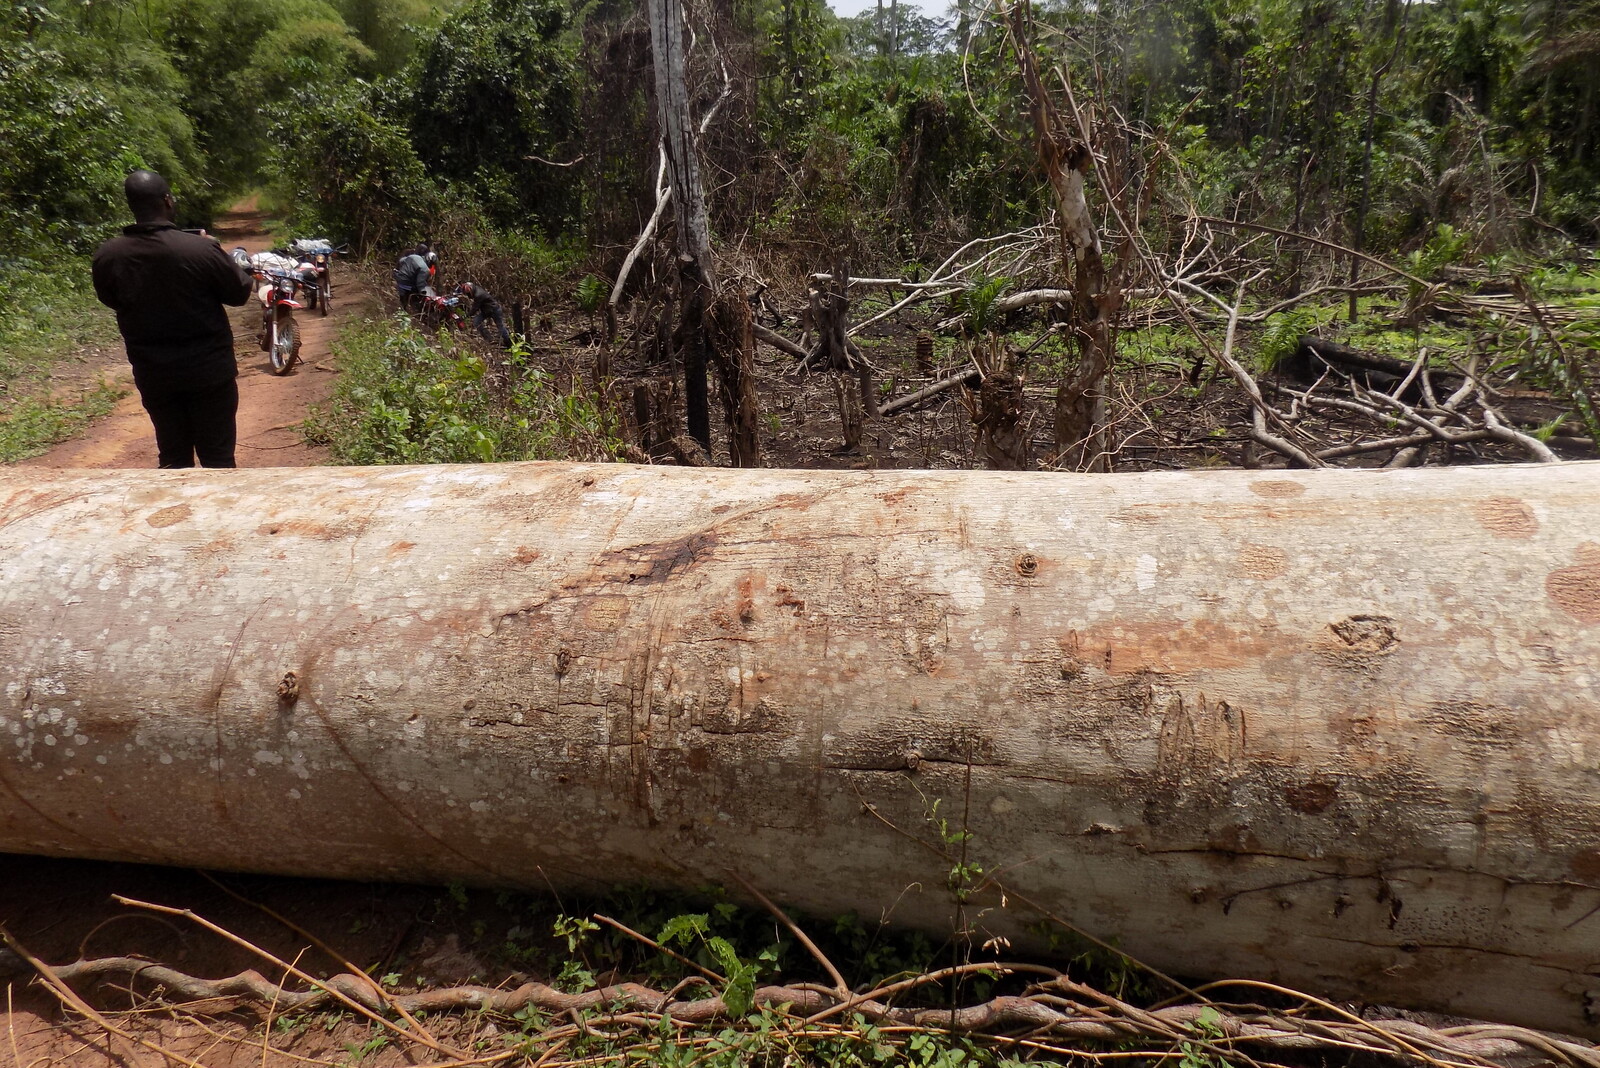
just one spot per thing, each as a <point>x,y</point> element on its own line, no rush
<point>781,343</point>
<point>910,400</point>
<point>1013,301</point>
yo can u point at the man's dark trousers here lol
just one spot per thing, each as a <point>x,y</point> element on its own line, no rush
<point>194,423</point>
<point>491,314</point>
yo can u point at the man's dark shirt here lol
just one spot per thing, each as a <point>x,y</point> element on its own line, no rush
<point>482,300</point>
<point>168,288</point>
<point>411,274</point>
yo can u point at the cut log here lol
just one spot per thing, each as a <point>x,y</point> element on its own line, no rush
<point>1337,729</point>
<point>1313,357</point>
<point>968,377</point>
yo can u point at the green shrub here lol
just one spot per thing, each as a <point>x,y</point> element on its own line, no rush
<point>400,400</point>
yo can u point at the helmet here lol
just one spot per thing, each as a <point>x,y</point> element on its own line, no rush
<point>464,288</point>
<point>433,258</point>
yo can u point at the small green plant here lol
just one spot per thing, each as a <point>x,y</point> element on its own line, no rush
<point>964,875</point>
<point>591,294</point>
<point>692,930</point>
<point>1207,1026</point>
<point>574,977</point>
<point>1445,247</point>
<point>575,929</point>
<point>360,1051</point>
<point>978,304</point>
<point>1280,336</point>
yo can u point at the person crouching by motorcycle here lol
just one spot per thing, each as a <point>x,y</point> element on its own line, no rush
<point>485,309</point>
<point>412,280</point>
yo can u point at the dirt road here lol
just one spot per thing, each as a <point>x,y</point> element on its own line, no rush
<point>270,407</point>
<point>41,897</point>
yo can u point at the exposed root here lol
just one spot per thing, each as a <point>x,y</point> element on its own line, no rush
<point>1058,1008</point>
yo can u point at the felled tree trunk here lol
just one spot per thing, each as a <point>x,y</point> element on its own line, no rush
<point>1338,730</point>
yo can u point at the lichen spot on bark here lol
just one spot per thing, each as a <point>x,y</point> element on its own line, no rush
<point>1277,488</point>
<point>1576,589</point>
<point>1507,517</point>
<point>166,517</point>
<point>1261,561</point>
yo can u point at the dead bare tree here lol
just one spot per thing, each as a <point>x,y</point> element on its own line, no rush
<point>694,338</point>
<point>1066,155</point>
<point>696,267</point>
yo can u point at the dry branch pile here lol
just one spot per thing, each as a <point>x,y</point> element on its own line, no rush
<point>1051,1015</point>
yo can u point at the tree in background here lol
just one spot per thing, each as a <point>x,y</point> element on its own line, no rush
<point>495,110</point>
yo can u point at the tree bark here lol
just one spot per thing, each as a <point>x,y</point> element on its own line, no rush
<point>1080,413</point>
<point>733,345</point>
<point>1334,729</point>
<point>696,268</point>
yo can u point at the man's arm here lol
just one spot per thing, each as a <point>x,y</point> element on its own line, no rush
<point>100,272</point>
<point>233,285</point>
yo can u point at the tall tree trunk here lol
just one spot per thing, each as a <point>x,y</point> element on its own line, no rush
<point>1358,240</point>
<point>1336,729</point>
<point>1081,396</point>
<point>696,267</point>
<point>734,348</point>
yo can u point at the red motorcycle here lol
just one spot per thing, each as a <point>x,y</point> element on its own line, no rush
<point>442,312</point>
<point>280,334</point>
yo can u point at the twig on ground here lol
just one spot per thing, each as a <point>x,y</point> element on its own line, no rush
<point>349,992</point>
<point>332,954</point>
<point>715,977</point>
<point>805,940</point>
<point>64,994</point>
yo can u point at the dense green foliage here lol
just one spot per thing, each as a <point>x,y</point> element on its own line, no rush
<point>1382,119</point>
<point>402,400</point>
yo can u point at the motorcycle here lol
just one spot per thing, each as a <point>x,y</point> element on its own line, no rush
<point>316,254</point>
<point>280,334</point>
<point>442,312</point>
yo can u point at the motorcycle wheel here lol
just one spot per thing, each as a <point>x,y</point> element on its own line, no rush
<point>324,294</point>
<point>285,345</point>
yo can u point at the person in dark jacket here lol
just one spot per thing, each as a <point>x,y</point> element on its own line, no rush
<point>411,280</point>
<point>168,289</point>
<point>485,310</point>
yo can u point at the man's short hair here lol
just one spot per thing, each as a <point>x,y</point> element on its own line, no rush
<point>146,192</point>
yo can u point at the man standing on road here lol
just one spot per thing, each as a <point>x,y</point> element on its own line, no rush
<point>168,288</point>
